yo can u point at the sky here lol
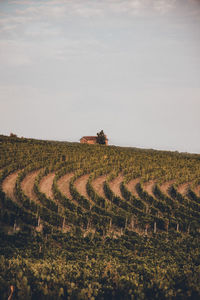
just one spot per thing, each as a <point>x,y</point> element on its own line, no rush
<point>70,68</point>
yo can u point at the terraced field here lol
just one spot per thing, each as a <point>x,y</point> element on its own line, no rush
<point>111,218</point>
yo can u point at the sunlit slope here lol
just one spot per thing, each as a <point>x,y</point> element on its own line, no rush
<point>97,222</point>
<point>57,186</point>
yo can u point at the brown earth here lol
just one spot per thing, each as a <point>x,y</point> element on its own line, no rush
<point>165,186</point>
<point>182,188</point>
<point>115,185</point>
<point>28,183</point>
<point>197,190</point>
<point>148,187</point>
<point>46,185</point>
<point>80,185</point>
<point>63,184</point>
<point>98,185</point>
<point>131,186</point>
<point>8,185</point>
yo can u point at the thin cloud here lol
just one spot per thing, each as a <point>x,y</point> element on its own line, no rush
<point>90,8</point>
<point>44,21</point>
<point>57,9</point>
<point>163,6</point>
<point>22,2</point>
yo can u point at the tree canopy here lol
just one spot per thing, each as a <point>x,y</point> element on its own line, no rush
<point>101,138</point>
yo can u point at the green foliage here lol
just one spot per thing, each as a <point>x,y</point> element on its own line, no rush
<point>143,246</point>
<point>101,138</point>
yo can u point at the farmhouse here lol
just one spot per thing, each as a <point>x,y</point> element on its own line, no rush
<point>92,140</point>
<point>88,140</point>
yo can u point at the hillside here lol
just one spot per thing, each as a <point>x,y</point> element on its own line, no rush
<point>97,222</point>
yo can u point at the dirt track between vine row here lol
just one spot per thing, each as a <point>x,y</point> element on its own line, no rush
<point>182,188</point>
<point>148,187</point>
<point>8,185</point>
<point>197,190</point>
<point>63,185</point>
<point>80,185</point>
<point>98,185</point>
<point>131,186</point>
<point>28,183</point>
<point>115,185</point>
<point>165,186</point>
<point>46,185</point>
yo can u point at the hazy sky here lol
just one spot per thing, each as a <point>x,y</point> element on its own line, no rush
<point>129,67</point>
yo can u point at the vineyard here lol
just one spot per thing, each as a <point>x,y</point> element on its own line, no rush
<point>85,221</point>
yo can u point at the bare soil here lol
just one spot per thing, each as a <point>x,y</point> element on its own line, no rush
<point>28,183</point>
<point>98,185</point>
<point>115,185</point>
<point>46,185</point>
<point>182,188</point>
<point>63,185</point>
<point>8,185</point>
<point>165,186</point>
<point>80,185</point>
<point>148,187</point>
<point>131,186</point>
<point>197,190</point>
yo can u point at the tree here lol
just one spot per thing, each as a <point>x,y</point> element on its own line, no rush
<point>101,138</point>
<point>13,135</point>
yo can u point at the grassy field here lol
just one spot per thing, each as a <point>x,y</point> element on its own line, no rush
<point>97,222</point>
